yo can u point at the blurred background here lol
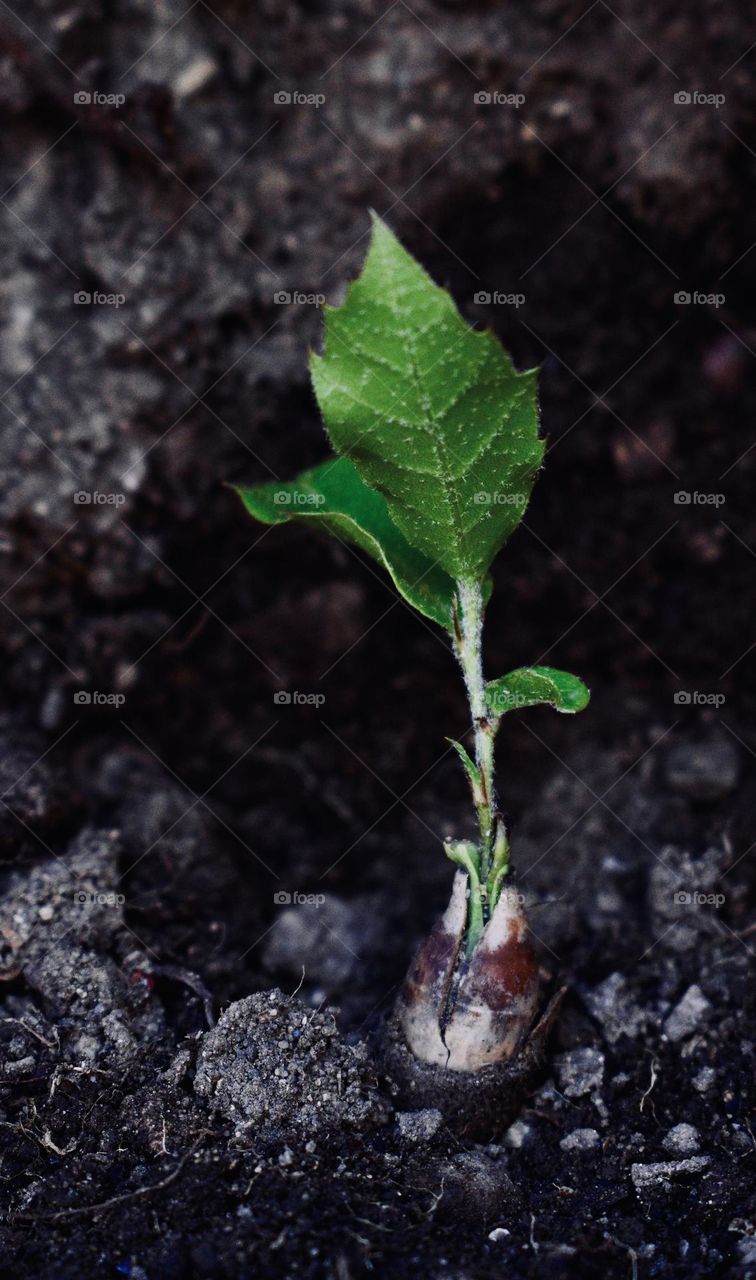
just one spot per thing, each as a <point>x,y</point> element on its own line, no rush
<point>180,182</point>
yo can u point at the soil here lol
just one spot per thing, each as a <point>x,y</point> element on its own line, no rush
<point>208,896</point>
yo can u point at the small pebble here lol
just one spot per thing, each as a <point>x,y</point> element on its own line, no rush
<point>194,77</point>
<point>687,1014</point>
<point>419,1126</point>
<point>705,1079</point>
<point>613,1005</point>
<point>580,1140</point>
<point>659,1175</point>
<point>580,1071</point>
<point>516,1134</point>
<point>747,1251</point>
<point>683,1140</point>
<point>499,1233</point>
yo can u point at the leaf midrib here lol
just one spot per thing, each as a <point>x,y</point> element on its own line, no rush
<point>445,478</point>
<point>356,348</point>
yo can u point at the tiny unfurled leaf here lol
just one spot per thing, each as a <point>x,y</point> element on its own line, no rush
<point>466,854</point>
<point>533,686</point>
<point>471,769</point>
<point>333,496</point>
<point>499,864</point>
<point>432,412</point>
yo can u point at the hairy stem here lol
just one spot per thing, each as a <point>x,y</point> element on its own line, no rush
<point>470,654</point>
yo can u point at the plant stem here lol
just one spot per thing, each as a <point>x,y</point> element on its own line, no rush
<point>470,654</point>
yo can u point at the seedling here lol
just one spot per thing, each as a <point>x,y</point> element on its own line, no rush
<point>436,452</point>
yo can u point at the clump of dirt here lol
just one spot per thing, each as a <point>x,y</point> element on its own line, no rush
<point>272,1062</point>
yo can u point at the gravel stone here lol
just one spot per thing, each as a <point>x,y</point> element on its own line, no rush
<point>649,1177</point>
<point>517,1134</point>
<point>419,1126</point>
<point>682,1140</point>
<point>687,1015</point>
<point>581,1140</point>
<point>615,1009</point>
<point>580,1071</point>
<point>705,1079</point>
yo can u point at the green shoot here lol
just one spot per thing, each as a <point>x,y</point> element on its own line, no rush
<point>437,450</point>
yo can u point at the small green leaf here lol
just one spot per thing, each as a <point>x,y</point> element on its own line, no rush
<point>499,865</point>
<point>531,686</point>
<point>471,769</point>
<point>333,496</point>
<point>432,412</point>
<point>466,854</point>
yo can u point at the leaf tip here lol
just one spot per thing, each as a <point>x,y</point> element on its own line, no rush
<point>378,224</point>
<point>382,231</point>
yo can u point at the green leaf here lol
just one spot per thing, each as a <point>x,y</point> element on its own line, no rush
<point>532,686</point>
<point>333,496</point>
<point>471,769</point>
<point>432,413</point>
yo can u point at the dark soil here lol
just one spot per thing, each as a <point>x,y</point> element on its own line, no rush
<point>145,845</point>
